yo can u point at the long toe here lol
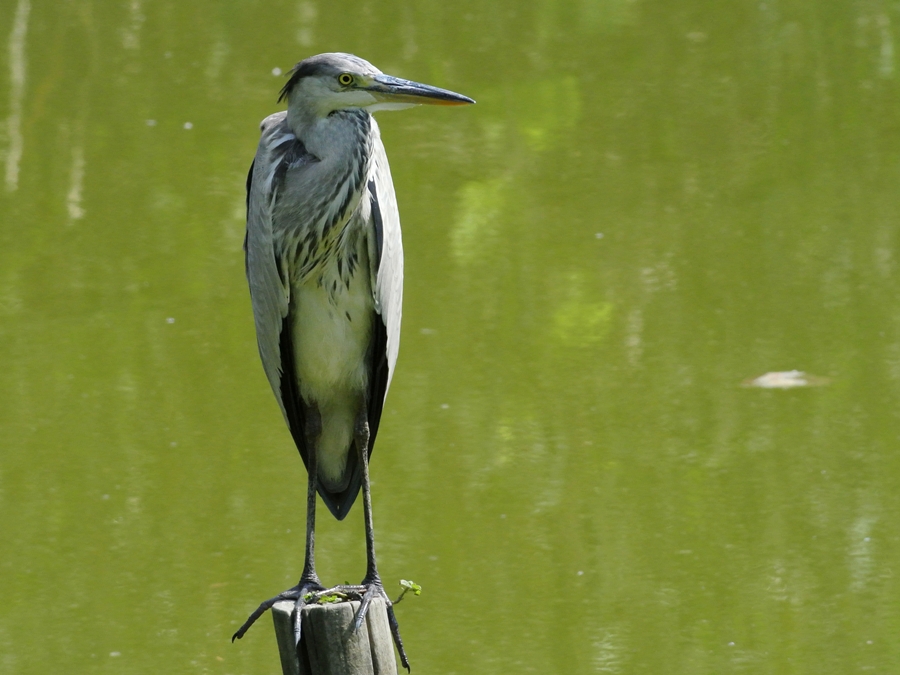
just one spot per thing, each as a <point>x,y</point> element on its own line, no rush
<point>395,633</point>
<point>298,621</point>
<point>259,611</point>
<point>297,593</point>
<point>372,592</point>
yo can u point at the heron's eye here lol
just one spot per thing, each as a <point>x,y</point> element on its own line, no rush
<point>345,79</point>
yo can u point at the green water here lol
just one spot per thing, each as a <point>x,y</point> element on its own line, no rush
<point>652,203</point>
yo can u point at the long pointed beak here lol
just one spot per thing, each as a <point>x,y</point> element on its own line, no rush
<point>395,90</point>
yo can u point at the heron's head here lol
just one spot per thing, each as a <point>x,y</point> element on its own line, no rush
<point>329,82</point>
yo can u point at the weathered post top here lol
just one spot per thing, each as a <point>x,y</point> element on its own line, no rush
<point>328,643</point>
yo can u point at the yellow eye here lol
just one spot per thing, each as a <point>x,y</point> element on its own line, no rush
<point>345,79</point>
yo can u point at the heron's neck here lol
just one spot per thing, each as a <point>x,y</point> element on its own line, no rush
<point>334,136</point>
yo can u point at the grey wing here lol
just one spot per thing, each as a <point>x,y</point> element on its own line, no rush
<point>386,255</point>
<point>386,277</point>
<point>269,292</point>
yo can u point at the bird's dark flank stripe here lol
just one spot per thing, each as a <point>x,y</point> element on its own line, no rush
<point>246,233</point>
<point>376,217</point>
<point>290,390</point>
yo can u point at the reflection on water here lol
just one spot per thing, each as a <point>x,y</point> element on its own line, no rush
<point>17,70</point>
<point>648,207</point>
<point>786,380</point>
<point>73,199</point>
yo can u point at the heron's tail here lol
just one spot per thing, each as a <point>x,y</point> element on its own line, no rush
<point>340,495</point>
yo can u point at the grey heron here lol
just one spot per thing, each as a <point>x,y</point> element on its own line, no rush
<point>324,260</point>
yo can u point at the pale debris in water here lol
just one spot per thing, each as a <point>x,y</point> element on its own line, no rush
<point>787,379</point>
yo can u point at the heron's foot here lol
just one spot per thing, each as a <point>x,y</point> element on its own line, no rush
<point>301,595</point>
<point>366,592</point>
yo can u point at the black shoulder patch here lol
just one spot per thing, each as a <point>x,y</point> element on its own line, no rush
<point>379,224</point>
<point>249,183</point>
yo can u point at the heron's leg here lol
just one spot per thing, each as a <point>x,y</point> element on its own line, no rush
<point>309,581</point>
<point>362,446</point>
<point>372,582</point>
<point>313,425</point>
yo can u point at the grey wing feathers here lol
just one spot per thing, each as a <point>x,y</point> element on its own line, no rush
<point>387,261</point>
<point>269,292</point>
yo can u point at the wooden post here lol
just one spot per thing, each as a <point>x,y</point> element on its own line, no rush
<point>328,644</point>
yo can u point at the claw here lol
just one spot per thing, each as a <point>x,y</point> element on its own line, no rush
<point>395,633</point>
<point>296,593</point>
<point>258,612</point>
<point>298,616</point>
<point>371,592</point>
